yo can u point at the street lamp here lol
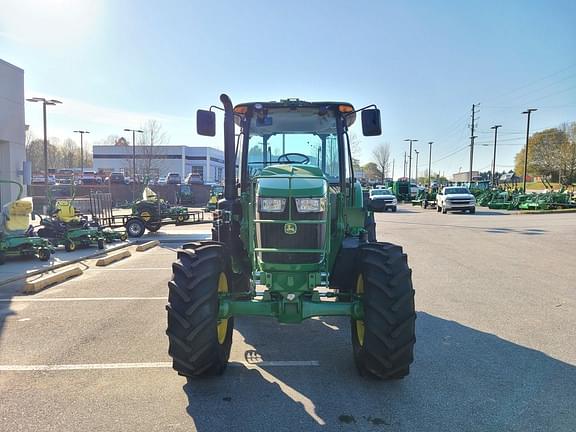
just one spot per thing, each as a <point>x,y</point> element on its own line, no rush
<point>81,132</point>
<point>528,111</point>
<point>44,103</point>
<point>410,159</point>
<point>417,153</point>
<point>430,162</point>
<point>495,127</point>
<point>134,157</point>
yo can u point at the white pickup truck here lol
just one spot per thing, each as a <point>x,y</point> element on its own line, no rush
<point>455,198</point>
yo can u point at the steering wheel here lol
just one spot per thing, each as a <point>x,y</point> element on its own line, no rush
<point>286,158</point>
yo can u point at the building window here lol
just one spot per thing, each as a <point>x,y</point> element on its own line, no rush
<point>198,171</point>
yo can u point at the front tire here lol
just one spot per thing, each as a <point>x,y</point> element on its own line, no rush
<point>438,208</point>
<point>199,342</point>
<point>383,342</point>
<point>472,210</point>
<point>43,254</point>
<point>444,210</point>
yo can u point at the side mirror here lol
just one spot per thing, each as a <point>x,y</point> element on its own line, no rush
<point>371,122</point>
<point>206,123</point>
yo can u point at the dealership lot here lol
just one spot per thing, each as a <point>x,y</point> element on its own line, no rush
<point>496,301</point>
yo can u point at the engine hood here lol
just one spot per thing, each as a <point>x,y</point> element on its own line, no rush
<point>300,181</point>
<point>459,196</point>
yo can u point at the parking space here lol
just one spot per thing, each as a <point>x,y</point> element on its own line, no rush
<point>493,351</point>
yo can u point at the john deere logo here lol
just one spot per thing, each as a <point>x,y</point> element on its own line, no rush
<point>290,228</point>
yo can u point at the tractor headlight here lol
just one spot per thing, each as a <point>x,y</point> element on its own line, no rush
<point>272,205</point>
<point>310,205</point>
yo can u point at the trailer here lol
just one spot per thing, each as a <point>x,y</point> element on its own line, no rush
<point>151,218</point>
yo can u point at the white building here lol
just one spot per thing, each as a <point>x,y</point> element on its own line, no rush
<point>206,163</point>
<point>12,129</point>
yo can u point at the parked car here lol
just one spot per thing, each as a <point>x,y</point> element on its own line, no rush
<point>191,179</point>
<point>173,178</point>
<point>39,179</point>
<point>162,180</point>
<point>455,198</point>
<point>116,178</point>
<point>89,178</point>
<point>383,200</point>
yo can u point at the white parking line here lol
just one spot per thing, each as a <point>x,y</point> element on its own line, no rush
<point>65,299</point>
<point>156,365</point>
<point>130,269</point>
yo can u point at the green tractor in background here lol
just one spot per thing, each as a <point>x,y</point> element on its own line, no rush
<point>216,193</point>
<point>292,239</point>
<point>16,235</point>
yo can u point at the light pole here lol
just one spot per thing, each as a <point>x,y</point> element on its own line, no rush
<point>81,132</point>
<point>417,153</point>
<point>495,127</point>
<point>410,159</point>
<point>134,157</point>
<point>528,111</point>
<point>430,162</point>
<point>44,103</point>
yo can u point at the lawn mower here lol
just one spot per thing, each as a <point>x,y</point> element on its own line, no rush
<point>16,235</point>
<point>292,239</point>
<point>65,227</point>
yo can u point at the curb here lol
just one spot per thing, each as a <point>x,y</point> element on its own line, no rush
<point>148,245</point>
<point>64,264</point>
<point>109,259</point>
<point>32,287</point>
<point>559,211</point>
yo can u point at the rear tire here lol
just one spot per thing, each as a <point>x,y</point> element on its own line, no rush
<point>199,343</point>
<point>43,254</point>
<point>438,208</point>
<point>383,342</point>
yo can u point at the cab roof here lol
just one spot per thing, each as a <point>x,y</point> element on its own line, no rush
<point>343,107</point>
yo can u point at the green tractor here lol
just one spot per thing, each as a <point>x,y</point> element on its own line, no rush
<point>16,235</point>
<point>292,239</point>
<point>216,192</point>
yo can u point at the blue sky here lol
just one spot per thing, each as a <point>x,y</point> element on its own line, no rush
<point>115,64</point>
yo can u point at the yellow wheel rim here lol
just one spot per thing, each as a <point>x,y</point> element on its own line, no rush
<point>222,324</point>
<point>360,331</point>
<point>146,216</point>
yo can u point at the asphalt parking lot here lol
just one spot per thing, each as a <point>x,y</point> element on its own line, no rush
<point>496,301</point>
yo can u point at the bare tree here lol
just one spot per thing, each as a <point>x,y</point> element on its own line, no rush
<point>153,136</point>
<point>382,156</point>
<point>356,150</point>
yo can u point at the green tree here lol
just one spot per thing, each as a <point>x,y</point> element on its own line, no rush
<point>371,171</point>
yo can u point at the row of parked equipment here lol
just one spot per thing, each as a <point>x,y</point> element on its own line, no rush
<point>62,226</point>
<point>516,199</point>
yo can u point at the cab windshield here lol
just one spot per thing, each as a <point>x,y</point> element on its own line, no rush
<point>456,190</point>
<point>294,135</point>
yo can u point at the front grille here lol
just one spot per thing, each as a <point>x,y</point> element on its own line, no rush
<point>308,236</point>
<point>460,201</point>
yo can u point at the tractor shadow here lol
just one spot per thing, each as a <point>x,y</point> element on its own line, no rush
<point>462,379</point>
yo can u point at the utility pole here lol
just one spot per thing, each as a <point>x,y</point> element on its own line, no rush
<point>81,132</point>
<point>495,127</point>
<point>44,103</point>
<point>430,162</point>
<point>410,159</point>
<point>404,175</point>
<point>417,153</point>
<point>472,137</point>
<point>393,161</point>
<point>528,111</point>
<point>134,158</point>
